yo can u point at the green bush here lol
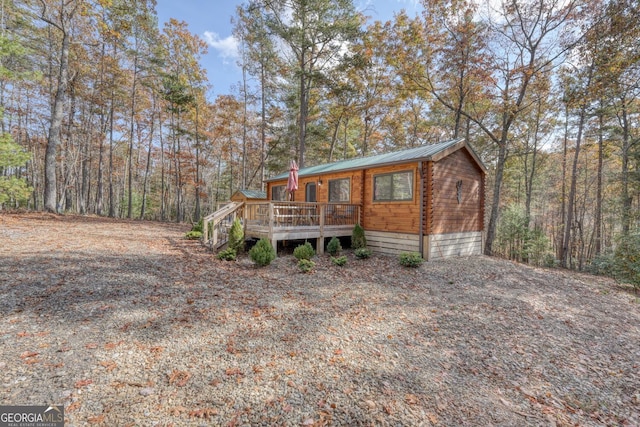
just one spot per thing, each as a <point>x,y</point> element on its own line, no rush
<point>236,236</point>
<point>602,265</point>
<point>334,247</point>
<point>193,235</point>
<point>197,226</point>
<point>623,264</point>
<point>306,265</point>
<point>411,259</point>
<point>339,261</point>
<point>358,240</point>
<point>262,253</point>
<point>227,255</point>
<point>304,252</point>
<point>363,253</point>
<point>626,257</point>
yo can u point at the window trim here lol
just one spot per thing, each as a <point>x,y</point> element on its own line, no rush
<point>410,199</point>
<point>348,179</point>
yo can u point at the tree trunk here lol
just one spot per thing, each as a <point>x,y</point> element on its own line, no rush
<point>495,204</point>
<point>53,140</point>
<point>623,117</point>
<point>263,128</point>
<point>563,206</point>
<point>304,109</point>
<point>566,242</point>
<point>131,134</point>
<point>334,139</point>
<point>112,202</point>
<point>148,165</point>
<point>197,185</point>
<point>598,214</point>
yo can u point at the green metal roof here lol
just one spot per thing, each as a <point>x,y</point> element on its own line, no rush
<point>253,194</point>
<point>423,152</point>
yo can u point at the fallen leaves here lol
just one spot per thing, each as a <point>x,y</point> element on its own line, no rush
<point>204,413</point>
<point>96,419</point>
<point>73,406</point>
<point>233,371</point>
<point>28,354</point>
<point>112,345</point>
<point>201,413</point>
<point>411,399</point>
<point>83,383</point>
<point>109,365</point>
<point>30,357</point>
<point>179,378</point>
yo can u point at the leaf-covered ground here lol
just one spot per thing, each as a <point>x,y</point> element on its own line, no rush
<point>126,323</point>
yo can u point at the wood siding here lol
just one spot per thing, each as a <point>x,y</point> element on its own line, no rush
<point>322,191</point>
<point>392,243</point>
<point>394,216</point>
<point>427,194</point>
<point>442,246</point>
<point>448,214</point>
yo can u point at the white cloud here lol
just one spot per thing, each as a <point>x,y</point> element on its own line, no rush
<point>227,48</point>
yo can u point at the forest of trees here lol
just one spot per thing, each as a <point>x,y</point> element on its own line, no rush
<point>106,113</point>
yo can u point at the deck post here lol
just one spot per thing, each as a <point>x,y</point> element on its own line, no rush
<point>320,239</point>
<point>274,241</point>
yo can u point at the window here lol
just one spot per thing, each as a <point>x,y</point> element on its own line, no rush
<point>393,186</point>
<point>279,192</point>
<point>340,190</point>
<point>310,192</point>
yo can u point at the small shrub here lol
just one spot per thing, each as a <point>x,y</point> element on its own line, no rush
<point>262,253</point>
<point>334,247</point>
<point>602,265</point>
<point>197,226</point>
<point>193,235</point>
<point>306,265</point>
<point>357,238</point>
<point>550,261</point>
<point>623,264</point>
<point>411,259</point>
<point>339,261</point>
<point>236,236</point>
<point>626,266</point>
<point>228,254</point>
<point>363,253</point>
<point>304,252</point>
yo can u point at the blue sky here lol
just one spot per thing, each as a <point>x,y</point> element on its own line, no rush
<point>211,21</point>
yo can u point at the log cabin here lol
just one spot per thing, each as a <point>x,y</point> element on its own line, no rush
<point>428,199</point>
<point>248,196</point>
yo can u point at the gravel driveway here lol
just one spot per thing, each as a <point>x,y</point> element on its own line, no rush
<point>127,324</point>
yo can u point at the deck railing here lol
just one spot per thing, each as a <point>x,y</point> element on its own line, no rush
<point>300,214</point>
<point>215,227</point>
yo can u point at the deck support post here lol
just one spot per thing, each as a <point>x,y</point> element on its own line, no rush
<point>320,241</point>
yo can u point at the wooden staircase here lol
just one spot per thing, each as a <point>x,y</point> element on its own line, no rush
<point>215,227</point>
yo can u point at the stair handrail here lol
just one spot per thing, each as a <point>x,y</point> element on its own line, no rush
<point>214,219</point>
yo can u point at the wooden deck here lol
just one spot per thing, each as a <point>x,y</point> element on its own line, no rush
<point>278,221</point>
